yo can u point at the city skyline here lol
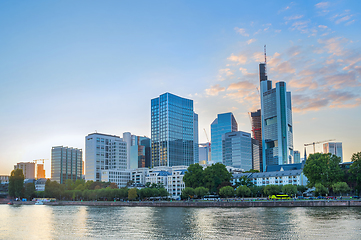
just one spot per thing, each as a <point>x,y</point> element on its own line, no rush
<point>68,71</point>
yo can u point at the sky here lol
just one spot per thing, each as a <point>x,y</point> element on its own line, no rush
<point>70,68</point>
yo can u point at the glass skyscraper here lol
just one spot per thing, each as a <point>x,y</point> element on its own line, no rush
<point>174,133</point>
<point>66,163</point>
<point>237,150</point>
<point>334,148</point>
<point>224,123</point>
<point>277,127</point>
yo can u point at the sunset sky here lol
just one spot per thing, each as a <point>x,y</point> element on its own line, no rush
<point>70,68</point>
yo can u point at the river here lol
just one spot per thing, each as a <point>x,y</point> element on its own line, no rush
<point>90,222</point>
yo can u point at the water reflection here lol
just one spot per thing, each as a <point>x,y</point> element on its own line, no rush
<point>81,222</point>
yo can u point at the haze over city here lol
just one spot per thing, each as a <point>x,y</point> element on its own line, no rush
<point>72,68</point>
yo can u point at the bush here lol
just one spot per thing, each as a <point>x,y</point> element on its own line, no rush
<point>227,191</point>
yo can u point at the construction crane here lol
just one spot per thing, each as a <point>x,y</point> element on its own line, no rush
<point>206,134</point>
<point>314,143</point>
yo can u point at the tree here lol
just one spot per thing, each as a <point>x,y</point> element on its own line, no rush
<point>201,192</point>
<point>301,188</point>
<point>193,177</point>
<point>289,189</point>
<point>69,184</point>
<point>187,192</point>
<point>227,191</point>
<point>244,180</point>
<point>320,190</point>
<point>16,183</point>
<point>132,194</point>
<point>113,185</point>
<point>257,191</point>
<point>130,183</point>
<point>323,168</point>
<point>340,187</point>
<point>163,192</point>
<point>355,170</point>
<point>271,190</point>
<point>251,171</point>
<point>214,175</point>
<point>29,190</point>
<point>243,191</point>
<point>223,184</point>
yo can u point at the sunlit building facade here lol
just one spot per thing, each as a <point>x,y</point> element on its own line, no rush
<point>66,163</point>
<point>28,169</point>
<point>204,153</point>
<point>333,147</point>
<point>224,123</point>
<point>174,133</point>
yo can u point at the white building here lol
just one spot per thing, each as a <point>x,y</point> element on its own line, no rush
<point>120,177</point>
<point>4,179</point>
<point>333,147</point>
<point>40,184</point>
<point>104,152</point>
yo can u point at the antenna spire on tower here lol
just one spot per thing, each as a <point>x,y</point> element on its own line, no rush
<point>265,56</point>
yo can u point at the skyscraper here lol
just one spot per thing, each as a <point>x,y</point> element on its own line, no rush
<point>333,147</point>
<point>66,163</point>
<point>104,152</point>
<point>174,133</point>
<point>28,169</point>
<point>224,123</point>
<point>257,136</point>
<point>204,153</point>
<point>237,150</point>
<point>277,128</point>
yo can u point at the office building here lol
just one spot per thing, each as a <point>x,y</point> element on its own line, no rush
<point>333,147</point>
<point>195,138</point>
<point>139,152</point>
<point>204,153</point>
<point>40,171</point>
<point>296,157</point>
<point>256,156</point>
<point>257,136</point>
<point>224,123</point>
<point>104,152</point>
<point>66,163</point>
<point>277,128</point>
<point>237,150</point>
<point>28,169</point>
<point>173,133</point>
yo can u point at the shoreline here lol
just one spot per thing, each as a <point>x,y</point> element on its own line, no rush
<point>286,203</point>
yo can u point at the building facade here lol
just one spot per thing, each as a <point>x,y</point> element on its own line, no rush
<point>296,157</point>
<point>237,150</point>
<point>204,153</point>
<point>334,148</point>
<point>104,152</point>
<point>66,163</point>
<point>224,123</point>
<point>174,136</point>
<point>40,171</point>
<point>257,136</point>
<point>256,156</point>
<point>28,169</point>
<point>277,127</point>
<point>139,151</point>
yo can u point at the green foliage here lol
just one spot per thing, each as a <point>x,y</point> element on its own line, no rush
<point>201,192</point>
<point>69,184</point>
<point>355,170</point>
<point>130,183</point>
<point>244,180</point>
<point>301,188</point>
<point>340,187</point>
<point>54,190</point>
<point>289,189</point>
<point>214,175</point>
<point>257,191</point>
<point>320,190</point>
<point>16,183</point>
<point>251,171</point>
<point>227,191</point>
<point>271,190</point>
<point>29,192</point>
<point>194,176</point>
<point>132,194</point>
<point>323,168</point>
<point>187,192</point>
<point>243,191</point>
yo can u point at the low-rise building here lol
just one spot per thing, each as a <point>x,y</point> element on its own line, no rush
<point>4,179</point>
<point>40,184</point>
<point>120,177</point>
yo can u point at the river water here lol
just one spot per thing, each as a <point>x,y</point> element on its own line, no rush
<point>83,222</point>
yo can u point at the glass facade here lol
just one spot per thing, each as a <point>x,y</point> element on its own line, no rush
<point>333,147</point>
<point>237,150</point>
<point>224,123</point>
<point>139,152</point>
<point>172,131</point>
<point>66,163</point>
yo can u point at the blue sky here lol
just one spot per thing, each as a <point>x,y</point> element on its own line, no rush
<point>68,68</point>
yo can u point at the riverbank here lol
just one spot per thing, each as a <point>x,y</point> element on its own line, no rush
<point>285,203</point>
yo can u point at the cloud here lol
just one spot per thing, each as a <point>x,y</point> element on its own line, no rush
<point>226,71</point>
<point>345,18</point>
<point>251,41</point>
<point>243,85</point>
<point>240,59</point>
<point>349,23</point>
<point>322,26</point>
<point>284,67</point>
<point>241,31</point>
<point>215,90</point>
<point>294,17</point>
<point>322,5</point>
<point>301,26</point>
<point>334,45</point>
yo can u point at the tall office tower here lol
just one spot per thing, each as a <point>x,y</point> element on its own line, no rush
<point>296,157</point>
<point>204,153</point>
<point>28,169</point>
<point>104,152</point>
<point>173,131</point>
<point>256,156</point>
<point>237,150</point>
<point>195,138</point>
<point>276,115</point>
<point>66,163</point>
<point>333,147</point>
<point>139,152</point>
<point>257,136</point>
<point>224,123</point>
<point>40,172</point>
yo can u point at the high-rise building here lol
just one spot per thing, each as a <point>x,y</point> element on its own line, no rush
<point>139,152</point>
<point>204,153</point>
<point>104,152</point>
<point>257,136</point>
<point>277,127</point>
<point>28,169</point>
<point>256,156</point>
<point>174,134</point>
<point>195,138</point>
<point>296,157</point>
<point>40,171</point>
<point>224,123</point>
<point>333,147</point>
<point>237,150</point>
<point>66,163</point>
